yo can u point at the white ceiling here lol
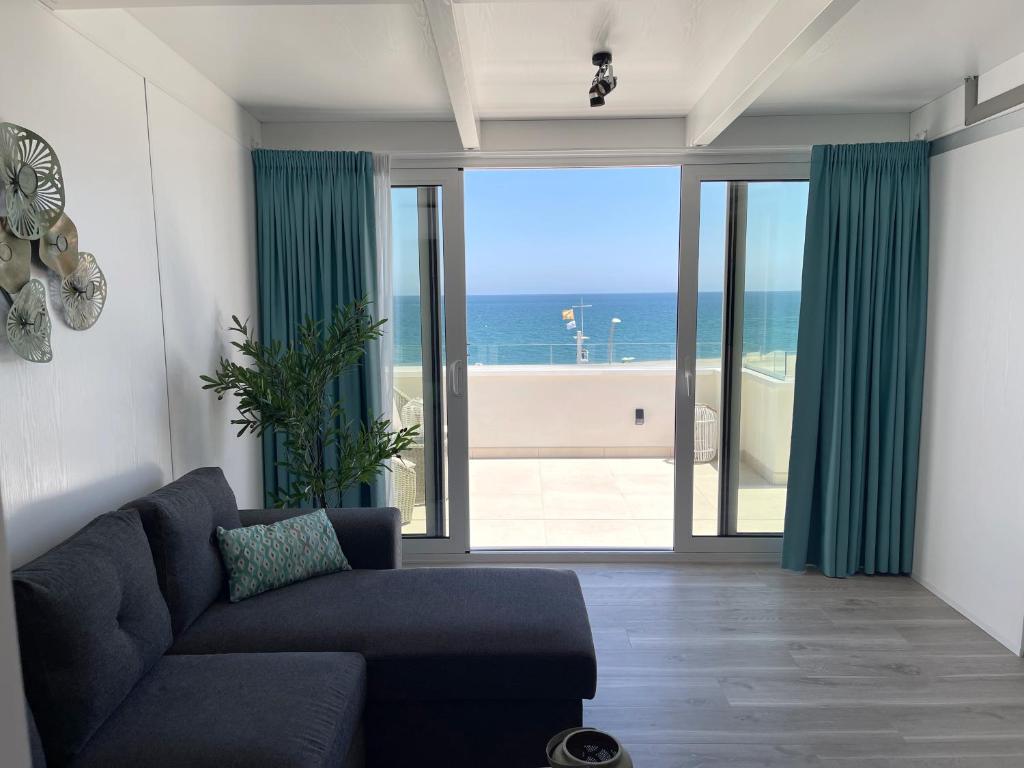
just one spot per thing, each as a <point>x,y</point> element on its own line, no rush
<point>371,61</point>
<point>897,55</point>
<point>531,58</point>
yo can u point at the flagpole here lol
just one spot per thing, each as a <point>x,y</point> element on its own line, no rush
<point>581,353</point>
<point>569,317</point>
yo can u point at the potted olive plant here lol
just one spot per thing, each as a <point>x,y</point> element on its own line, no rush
<point>286,388</point>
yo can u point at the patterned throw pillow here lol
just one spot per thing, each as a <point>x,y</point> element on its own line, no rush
<point>264,557</point>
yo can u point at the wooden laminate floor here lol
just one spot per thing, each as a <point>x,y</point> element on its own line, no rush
<point>744,666</point>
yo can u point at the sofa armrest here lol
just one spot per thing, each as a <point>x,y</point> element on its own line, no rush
<point>371,537</point>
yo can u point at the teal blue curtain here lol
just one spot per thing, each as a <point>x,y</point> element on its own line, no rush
<point>316,250</point>
<point>860,361</point>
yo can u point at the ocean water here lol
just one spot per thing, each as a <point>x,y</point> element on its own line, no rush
<point>528,329</point>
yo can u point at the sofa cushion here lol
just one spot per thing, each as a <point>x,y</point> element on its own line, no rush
<point>281,710</point>
<point>91,622</point>
<point>259,558</point>
<point>426,633</point>
<point>370,536</point>
<point>181,521</point>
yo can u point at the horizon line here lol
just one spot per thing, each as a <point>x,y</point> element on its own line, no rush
<point>585,294</point>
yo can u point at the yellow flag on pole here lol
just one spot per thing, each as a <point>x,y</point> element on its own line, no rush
<point>567,315</point>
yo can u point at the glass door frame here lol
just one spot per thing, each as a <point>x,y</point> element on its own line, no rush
<point>694,170</point>
<point>694,174</point>
<point>449,180</point>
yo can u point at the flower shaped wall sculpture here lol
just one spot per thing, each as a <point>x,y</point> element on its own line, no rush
<point>83,293</point>
<point>59,248</point>
<point>28,324</point>
<point>32,209</point>
<point>32,181</point>
<point>15,259</point>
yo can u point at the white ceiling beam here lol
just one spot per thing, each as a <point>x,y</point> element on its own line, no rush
<point>789,30</point>
<point>89,5</point>
<point>455,67</point>
<point>85,5</point>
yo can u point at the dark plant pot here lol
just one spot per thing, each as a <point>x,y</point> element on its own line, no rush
<point>586,747</point>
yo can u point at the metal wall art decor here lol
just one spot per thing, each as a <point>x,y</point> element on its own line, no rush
<point>59,250</point>
<point>83,288</point>
<point>28,324</point>
<point>33,185</point>
<point>15,258</point>
<point>32,216</point>
<point>83,293</point>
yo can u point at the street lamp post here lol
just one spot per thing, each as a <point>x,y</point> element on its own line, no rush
<point>611,337</point>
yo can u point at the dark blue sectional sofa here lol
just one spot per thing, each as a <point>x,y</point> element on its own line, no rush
<point>132,655</point>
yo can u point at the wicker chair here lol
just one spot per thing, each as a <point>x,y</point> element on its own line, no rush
<point>705,434</point>
<point>403,474</point>
<point>400,400</point>
<point>410,411</point>
<point>413,456</point>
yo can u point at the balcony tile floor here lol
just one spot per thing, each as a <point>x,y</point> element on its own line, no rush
<point>600,502</point>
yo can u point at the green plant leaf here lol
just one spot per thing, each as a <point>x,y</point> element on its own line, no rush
<point>284,388</point>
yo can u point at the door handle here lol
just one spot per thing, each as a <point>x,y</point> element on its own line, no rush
<point>457,378</point>
<point>688,377</point>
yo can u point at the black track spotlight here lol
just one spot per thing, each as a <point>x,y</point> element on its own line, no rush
<point>604,81</point>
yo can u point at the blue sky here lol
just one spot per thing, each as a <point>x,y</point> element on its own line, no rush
<point>603,230</point>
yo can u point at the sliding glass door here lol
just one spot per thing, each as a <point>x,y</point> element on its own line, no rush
<point>429,481</point>
<point>627,384</point>
<point>743,252</point>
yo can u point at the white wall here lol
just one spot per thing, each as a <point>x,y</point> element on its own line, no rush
<point>125,38</point>
<point>90,430</point>
<point>766,422</point>
<point>588,411</point>
<point>206,232</point>
<point>570,410</point>
<point>970,535</point>
<point>86,432</point>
